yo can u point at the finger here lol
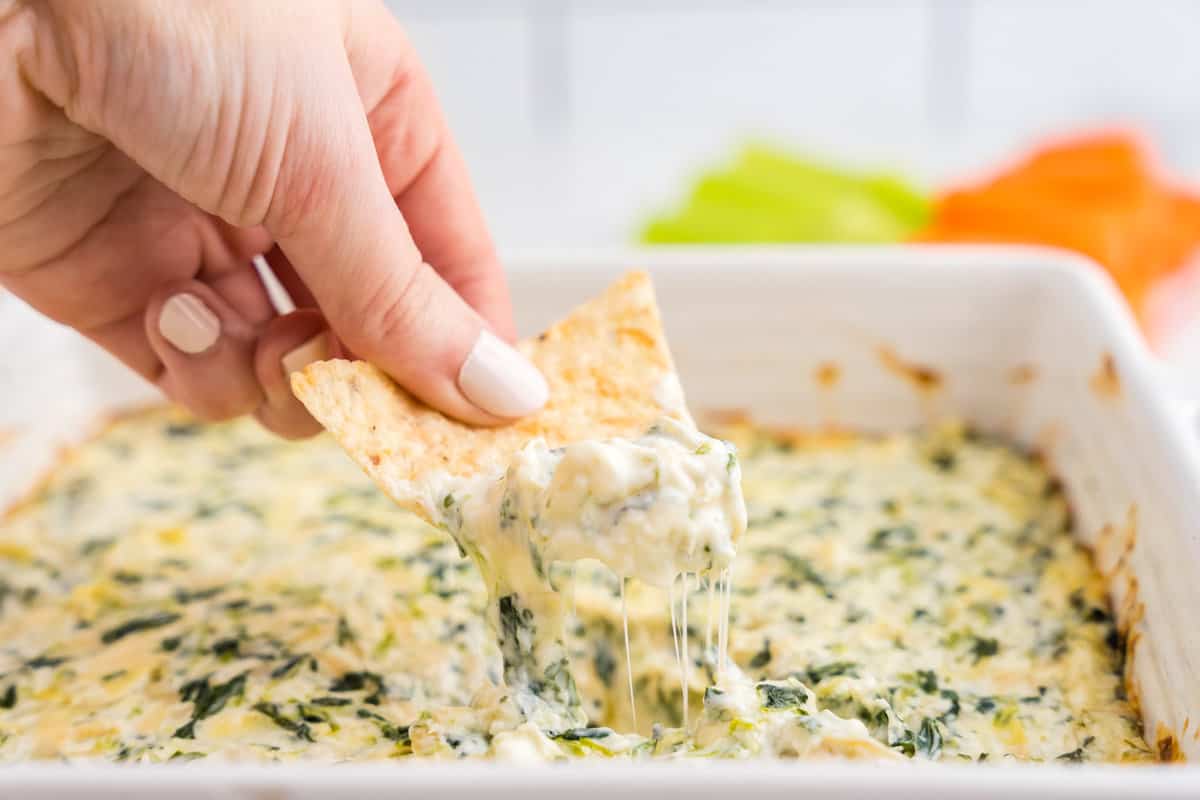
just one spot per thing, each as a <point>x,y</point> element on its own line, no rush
<point>335,219</point>
<point>447,225</point>
<point>288,278</point>
<point>126,339</point>
<point>228,267</point>
<point>241,244</point>
<point>101,285</point>
<point>206,348</point>
<point>245,293</point>
<point>423,167</point>
<point>289,343</point>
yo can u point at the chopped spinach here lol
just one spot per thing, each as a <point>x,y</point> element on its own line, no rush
<point>207,699</point>
<point>762,657</point>
<point>1004,716</point>
<point>929,738</point>
<point>288,667</point>
<point>1077,755</point>
<point>508,510</point>
<point>778,696</point>
<point>832,670</point>
<point>1076,600</point>
<point>982,647</point>
<point>45,661</point>
<point>800,567</point>
<point>271,710</point>
<point>557,685</point>
<point>904,743</point>
<point>159,620</point>
<point>345,635</point>
<point>535,557</point>
<point>226,649</point>
<point>361,681</point>
<point>396,733</point>
<point>93,546</point>
<point>604,663</point>
<point>944,460</point>
<point>575,734</point>
<point>9,698</point>
<point>1034,699</point>
<point>955,707</point>
<point>179,430</point>
<point>883,538</point>
<point>184,596</point>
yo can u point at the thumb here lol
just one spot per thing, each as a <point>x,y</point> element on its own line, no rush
<point>341,229</point>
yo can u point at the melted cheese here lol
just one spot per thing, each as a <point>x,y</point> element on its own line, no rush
<point>181,591</point>
<point>667,503</point>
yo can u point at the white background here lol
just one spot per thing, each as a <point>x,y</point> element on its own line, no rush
<point>580,117</point>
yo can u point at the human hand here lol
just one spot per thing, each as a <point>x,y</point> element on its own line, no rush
<point>150,148</point>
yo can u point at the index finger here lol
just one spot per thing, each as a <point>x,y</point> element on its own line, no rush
<point>423,166</point>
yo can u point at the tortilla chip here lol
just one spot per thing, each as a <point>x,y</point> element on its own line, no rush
<point>610,375</point>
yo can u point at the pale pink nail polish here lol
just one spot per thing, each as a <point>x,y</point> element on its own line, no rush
<point>188,324</point>
<point>501,381</point>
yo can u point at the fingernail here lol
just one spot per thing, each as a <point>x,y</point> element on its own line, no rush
<point>188,324</point>
<point>315,349</point>
<point>501,381</point>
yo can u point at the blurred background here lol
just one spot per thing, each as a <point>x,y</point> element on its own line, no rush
<point>581,119</point>
<point>1067,123</point>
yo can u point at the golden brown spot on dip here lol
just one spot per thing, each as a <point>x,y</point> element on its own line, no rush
<point>724,416</point>
<point>827,374</point>
<point>1168,747</point>
<point>1106,382</point>
<point>925,378</point>
<point>1022,374</point>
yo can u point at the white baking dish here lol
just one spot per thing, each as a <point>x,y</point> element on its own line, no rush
<point>1028,342</point>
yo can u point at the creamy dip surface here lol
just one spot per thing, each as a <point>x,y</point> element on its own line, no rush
<point>664,505</point>
<point>179,591</point>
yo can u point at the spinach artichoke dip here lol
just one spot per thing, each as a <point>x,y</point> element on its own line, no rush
<point>179,591</point>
